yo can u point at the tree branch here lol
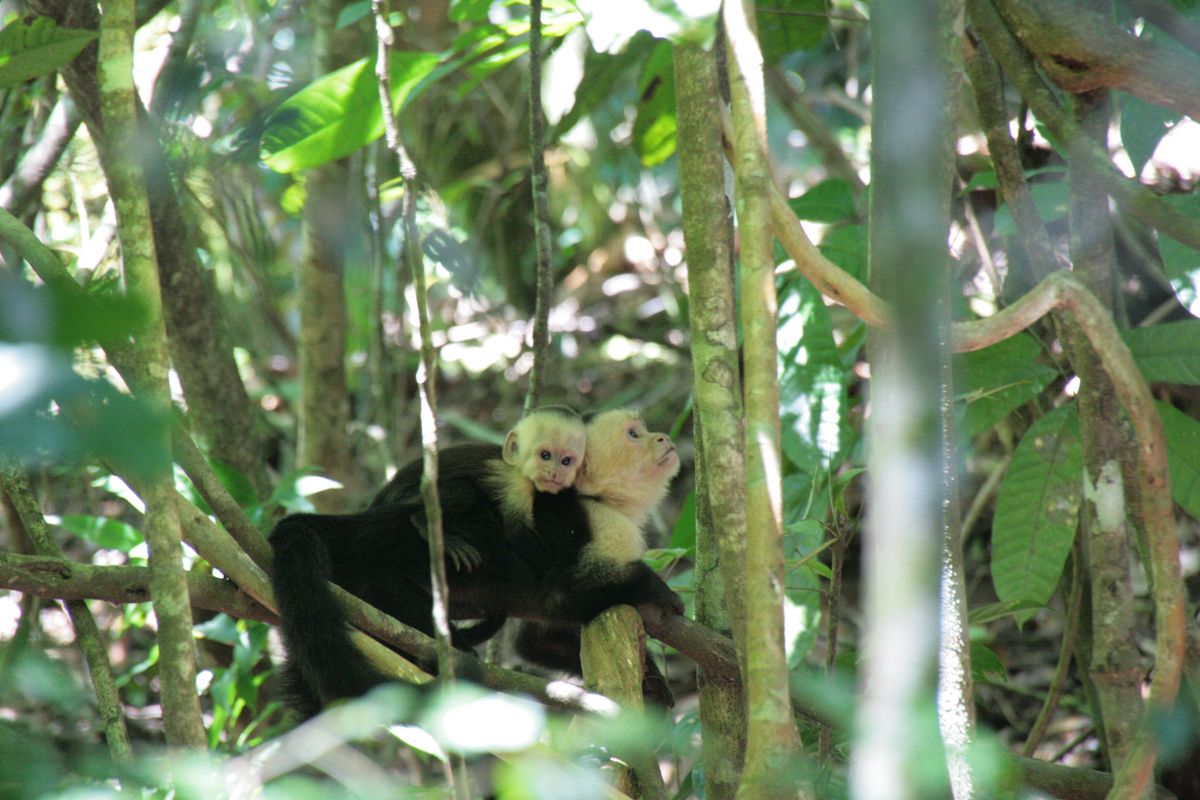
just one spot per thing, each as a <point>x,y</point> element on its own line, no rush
<point>56,578</point>
<point>1082,50</point>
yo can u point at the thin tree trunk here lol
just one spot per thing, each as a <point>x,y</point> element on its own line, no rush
<point>323,437</point>
<point>1114,664</point>
<point>772,745</point>
<point>956,690</point>
<point>720,460</point>
<point>168,585</point>
<point>909,266</point>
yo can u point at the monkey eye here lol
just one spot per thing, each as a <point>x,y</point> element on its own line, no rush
<point>545,455</point>
<point>633,433</point>
<point>566,461</point>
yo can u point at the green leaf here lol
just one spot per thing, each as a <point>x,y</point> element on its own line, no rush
<point>684,533</point>
<point>991,612</point>
<point>38,48</point>
<point>654,130</point>
<point>1167,353</point>
<point>110,534</point>
<point>986,666</point>
<point>1037,510</point>
<point>1183,457</point>
<point>469,10</point>
<point>788,26</point>
<point>1051,200</point>
<point>352,13</point>
<point>1182,262</point>
<point>829,201</point>
<point>847,247</point>
<point>1143,125</point>
<point>339,112</point>
<point>997,380</point>
<point>813,398</point>
<point>602,73</point>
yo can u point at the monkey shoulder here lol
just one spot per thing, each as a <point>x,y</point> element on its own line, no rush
<point>615,538</point>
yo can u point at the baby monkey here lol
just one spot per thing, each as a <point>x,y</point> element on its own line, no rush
<point>542,453</point>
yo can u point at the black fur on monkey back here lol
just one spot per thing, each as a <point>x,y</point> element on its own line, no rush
<point>381,556</point>
<point>323,664</point>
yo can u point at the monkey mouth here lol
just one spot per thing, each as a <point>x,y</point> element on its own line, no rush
<point>666,457</point>
<point>551,485</point>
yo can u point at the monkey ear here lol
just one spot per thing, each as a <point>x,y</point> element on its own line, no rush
<point>510,448</point>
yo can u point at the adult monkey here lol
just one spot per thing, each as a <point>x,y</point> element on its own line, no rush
<point>381,554</point>
<point>579,552</point>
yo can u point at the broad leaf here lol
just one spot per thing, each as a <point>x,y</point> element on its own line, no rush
<point>1183,457</point>
<point>1143,125</point>
<point>39,48</point>
<point>1037,509</point>
<point>1051,200</point>
<point>788,26</point>
<point>829,201</point>
<point>813,400</point>
<point>1182,262</point>
<point>997,380</point>
<point>110,534</point>
<point>654,130</point>
<point>339,112</point>
<point>847,247</point>
<point>1167,353</point>
<point>602,73</point>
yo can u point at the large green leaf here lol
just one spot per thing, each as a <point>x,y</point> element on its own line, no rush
<point>339,112</point>
<point>1183,457</point>
<point>830,200</point>
<point>1037,510</point>
<point>1181,261</point>
<point>1051,199</point>
<point>997,380</point>
<point>1143,124</point>
<point>654,130</point>
<point>602,74</point>
<point>111,534</point>
<point>813,400</point>
<point>847,247</point>
<point>788,26</point>
<point>1168,353</point>
<point>38,48</point>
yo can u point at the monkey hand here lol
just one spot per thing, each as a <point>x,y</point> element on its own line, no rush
<point>656,592</point>
<point>465,557</point>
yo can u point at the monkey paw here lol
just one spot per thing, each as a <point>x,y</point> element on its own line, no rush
<point>465,557</point>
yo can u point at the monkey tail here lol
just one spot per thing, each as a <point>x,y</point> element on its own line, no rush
<point>323,663</point>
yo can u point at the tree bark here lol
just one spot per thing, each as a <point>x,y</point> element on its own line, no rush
<point>177,657</point>
<point>910,135</point>
<point>324,413</point>
<point>720,460</point>
<point>772,745</point>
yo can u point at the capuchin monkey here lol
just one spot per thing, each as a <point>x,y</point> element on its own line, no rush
<point>597,528</point>
<point>574,551</point>
<point>541,454</point>
<point>381,554</point>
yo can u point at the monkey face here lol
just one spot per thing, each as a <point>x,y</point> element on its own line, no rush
<point>547,447</point>
<point>552,463</point>
<point>625,463</point>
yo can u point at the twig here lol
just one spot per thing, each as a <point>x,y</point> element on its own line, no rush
<point>541,212</point>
